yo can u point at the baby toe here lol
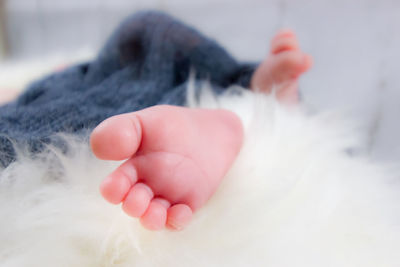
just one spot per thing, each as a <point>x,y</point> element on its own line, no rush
<point>116,138</point>
<point>179,216</point>
<point>138,199</point>
<point>116,186</point>
<point>288,65</point>
<point>284,44</point>
<point>155,216</point>
<point>284,41</point>
<point>285,33</point>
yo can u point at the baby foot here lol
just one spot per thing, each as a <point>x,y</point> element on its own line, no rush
<point>176,159</point>
<point>281,69</point>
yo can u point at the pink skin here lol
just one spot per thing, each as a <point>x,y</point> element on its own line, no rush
<point>176,160</point>
<point>176,157</point>
<point>281,69</point>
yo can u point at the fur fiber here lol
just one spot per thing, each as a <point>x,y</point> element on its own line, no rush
<point>294,197</point>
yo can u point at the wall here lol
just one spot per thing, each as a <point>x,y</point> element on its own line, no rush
<point>354,44</point>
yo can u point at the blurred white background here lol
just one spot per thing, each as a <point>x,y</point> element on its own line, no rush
<point>355,45</point>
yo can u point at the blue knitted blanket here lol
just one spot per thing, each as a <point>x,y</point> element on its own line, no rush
<point>145,62</point>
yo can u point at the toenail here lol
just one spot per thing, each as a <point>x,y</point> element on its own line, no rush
<point>147,188</point>
<point>174,226</point>
<point>137,126</point>
<point>165,203</point>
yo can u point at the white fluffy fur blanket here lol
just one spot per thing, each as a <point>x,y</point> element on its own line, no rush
<point>294,197</point>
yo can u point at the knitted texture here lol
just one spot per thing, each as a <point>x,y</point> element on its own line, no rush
<point>145,62</point>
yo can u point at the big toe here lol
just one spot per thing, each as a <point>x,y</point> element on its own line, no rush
<point>116,138</point>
